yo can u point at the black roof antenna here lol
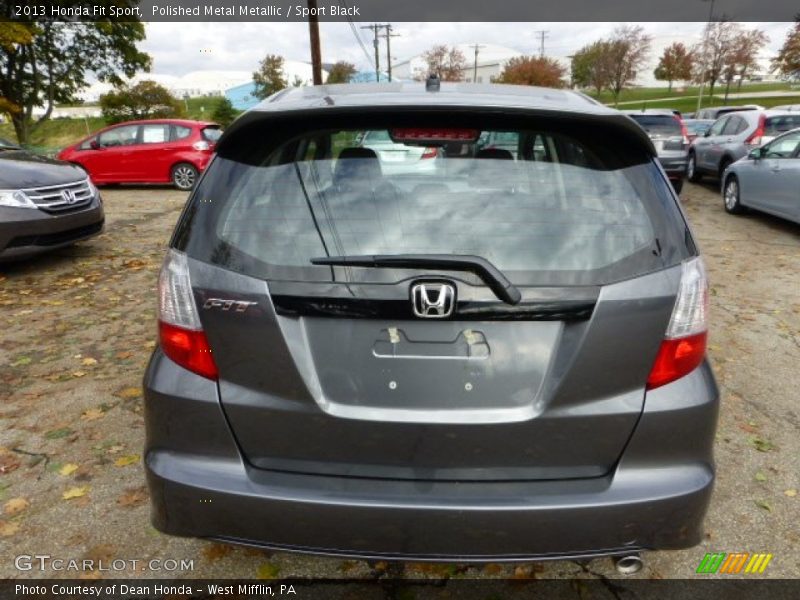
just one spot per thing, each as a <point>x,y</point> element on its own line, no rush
<point>432,84</point>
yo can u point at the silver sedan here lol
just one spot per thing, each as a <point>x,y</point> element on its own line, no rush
<point>767,179</point>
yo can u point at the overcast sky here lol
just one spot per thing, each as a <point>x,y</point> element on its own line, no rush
<point>178,48</point>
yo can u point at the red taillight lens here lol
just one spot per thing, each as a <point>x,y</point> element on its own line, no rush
<point>430,153</point>
<point>202,146</point>
<point>677,358</point>
<point>684,131</point>
<point>755,138</point>
<point>188,348</point>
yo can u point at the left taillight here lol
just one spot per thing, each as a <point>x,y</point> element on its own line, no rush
<point>180,333</point>
<point>684,344</point>
<point>430,152</point>
<point>684,131</point>
<point>755,138</point>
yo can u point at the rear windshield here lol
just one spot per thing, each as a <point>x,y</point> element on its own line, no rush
<point>658,125</point>
<point>775,126</point>
<point>550,210</point>
<point>212,134</point>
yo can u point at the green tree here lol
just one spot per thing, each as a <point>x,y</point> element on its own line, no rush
<point>269,77</point>
<point>44,63</point>
<point>533,70</point>
<point>224,113</point>
<point>589,66</point>
<point>341,72</point>
<point>788,59</point>
<point>675,64</point>
<point>145,100</point>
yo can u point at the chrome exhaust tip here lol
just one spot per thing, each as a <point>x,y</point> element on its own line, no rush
<point>629,564</point>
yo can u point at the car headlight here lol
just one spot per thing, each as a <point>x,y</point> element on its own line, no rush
<point>15,199</point>
<point>93,189</point>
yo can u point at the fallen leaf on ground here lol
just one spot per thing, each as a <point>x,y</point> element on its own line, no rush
<point>21,361</point>
<point>216,551</point>
<point>790,493</point>
<point>134,497</point>
<point>763,504</point>
<point>75,492</point>
<point>68,469</point>
<point>8,528</point>
<point>8,463</point>
<point>124,355</point>
<point>15,505</point>
<point>760,476</point>
<point>124,461</point>
<point>78,373</point>
<point>89,361</point>
<point>61,432</point>
<point>92,414</point>
<point>267,571</point>
<point>129,392</point>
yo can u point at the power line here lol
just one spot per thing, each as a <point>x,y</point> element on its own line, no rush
<point>354,30</point>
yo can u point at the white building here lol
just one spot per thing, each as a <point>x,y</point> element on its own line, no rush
<point>194,84</point>
<point>491,61</point>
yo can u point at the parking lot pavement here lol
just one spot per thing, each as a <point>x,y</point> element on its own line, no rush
<point>78,327</point>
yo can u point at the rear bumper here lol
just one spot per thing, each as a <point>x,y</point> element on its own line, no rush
<point>675,168</point>
<point>27,232</point>
<point>656,497</point>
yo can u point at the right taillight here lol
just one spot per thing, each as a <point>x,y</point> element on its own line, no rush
<point>755,138</point>
<point>180,333</point>
<point>684,344</point>
<point>430,152</point>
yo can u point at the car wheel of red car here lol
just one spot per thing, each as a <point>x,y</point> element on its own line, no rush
<point>184,176</point>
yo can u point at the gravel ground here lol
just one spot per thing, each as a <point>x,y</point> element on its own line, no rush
<point>78,327</point>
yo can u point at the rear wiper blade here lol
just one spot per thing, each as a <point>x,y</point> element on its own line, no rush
<point>489,274</point>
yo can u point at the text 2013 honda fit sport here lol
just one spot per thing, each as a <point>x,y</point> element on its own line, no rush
<point>502,358</point>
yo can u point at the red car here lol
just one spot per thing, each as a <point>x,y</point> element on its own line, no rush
<point>157,151</point>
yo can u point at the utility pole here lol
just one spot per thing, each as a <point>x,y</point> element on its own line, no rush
<point>477,48</point>
<point>542,35</point>
<point>316,53</point>
<point>705,57</point>
<point>375,28</point>
<point>389,35</point>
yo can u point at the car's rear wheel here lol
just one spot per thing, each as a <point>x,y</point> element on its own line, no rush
<point>691,169</point>
<point>677,185</point>
<point>731,196</point>
<point>184,176</point>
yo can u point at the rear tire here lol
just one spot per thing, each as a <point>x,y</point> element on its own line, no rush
<point>731,195</point>
<point>691,169</point>
<point>184,176</point>
<point>677,185</point>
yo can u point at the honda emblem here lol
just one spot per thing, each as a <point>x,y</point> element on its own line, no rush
<point>433,300</point>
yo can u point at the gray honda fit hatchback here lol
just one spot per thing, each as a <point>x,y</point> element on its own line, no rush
<point>499,359</point>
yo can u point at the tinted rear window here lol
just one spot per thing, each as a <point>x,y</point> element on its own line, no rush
<point>777,125</point>
<point>561,211</point>
<point>212,134</point>
<point>658,125</point>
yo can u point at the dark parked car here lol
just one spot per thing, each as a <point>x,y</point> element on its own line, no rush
<point>670,138</point>
<point>158,151</point>
<point>44,204</point>
<point>732,136</point>
<point>485,363</point>
<point>768,179</point>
